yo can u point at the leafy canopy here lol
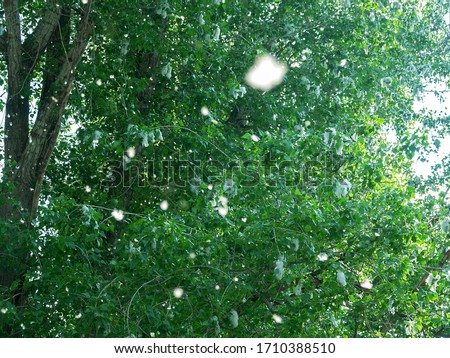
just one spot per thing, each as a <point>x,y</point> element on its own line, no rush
<point>181,201</point>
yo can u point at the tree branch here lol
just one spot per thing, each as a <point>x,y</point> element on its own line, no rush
<point>14,45</point>
<point>56,100</point>
<point>53,102</point>
<point>17,107</point>
<point>83,34</point>
<point>36,42</point>
<point>13,28</point>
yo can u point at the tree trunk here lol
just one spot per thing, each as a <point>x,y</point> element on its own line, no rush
<point>28,154</point>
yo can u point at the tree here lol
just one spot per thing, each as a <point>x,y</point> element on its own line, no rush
<point>50,53</point>
<point>189,203</point>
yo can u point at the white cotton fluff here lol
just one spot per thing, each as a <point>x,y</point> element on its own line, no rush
<point>164,205</point>
<point>167,71</point>
<point>326,137</point>
<point>322,257</point>
<point>342,188</point>
<point>296,244</point>
<point>266,73</point>
<point>144,136</point>
<point>386,82</point>
<point>217,33</point>
<point>366,284</point>
<point>317,91</point>
<point>234,318</point>
<point>298,289</point>
<point>277,318</point>
<point>279,268</point>
<point>215,322</point>
<point>445,225</point>
<point>340,277</point>
<point>117,214</point>
<point>178,292</point>
<point>229,187</point>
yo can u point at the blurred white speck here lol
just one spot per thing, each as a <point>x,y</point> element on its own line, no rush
<point>131,152</point>
<point>343,63</point>
<point>223,211</point>
<point>244,220</point>
<point>87,188</point>
<point>4,310</point>
<point>84,1</point>
<point>234,318</point>
<point>322,256</point>
<point>366,284</point>
<point>204,111</point>
<point>235,279</point>
<point>217,287</point>
<point>192,255</point>
<point>266,73</point>
<point>217,33</point>
<point>164,205</point>
<point>445,225</point>
<point>229,187</point>
<point>201,21</point>
<point>386,82</point>
<point>167,71</point>
<point>99,82</point>
<point>210,187</point>
<point>342,188</point>
<point>277,318</point>
<point>340,277</point>
<point>117,214</point>
<point>255,138</point>
<point>178,292</point>
<point>279,268</point>
<point>307,123</point>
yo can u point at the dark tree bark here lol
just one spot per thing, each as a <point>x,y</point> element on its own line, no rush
<point>27,153</point>
<point>17,104</point>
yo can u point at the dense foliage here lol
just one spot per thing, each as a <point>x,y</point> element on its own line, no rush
<point>181,201</point>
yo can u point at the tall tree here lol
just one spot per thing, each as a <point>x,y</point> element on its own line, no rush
<point>41,64</point>
<point>186,199</point>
